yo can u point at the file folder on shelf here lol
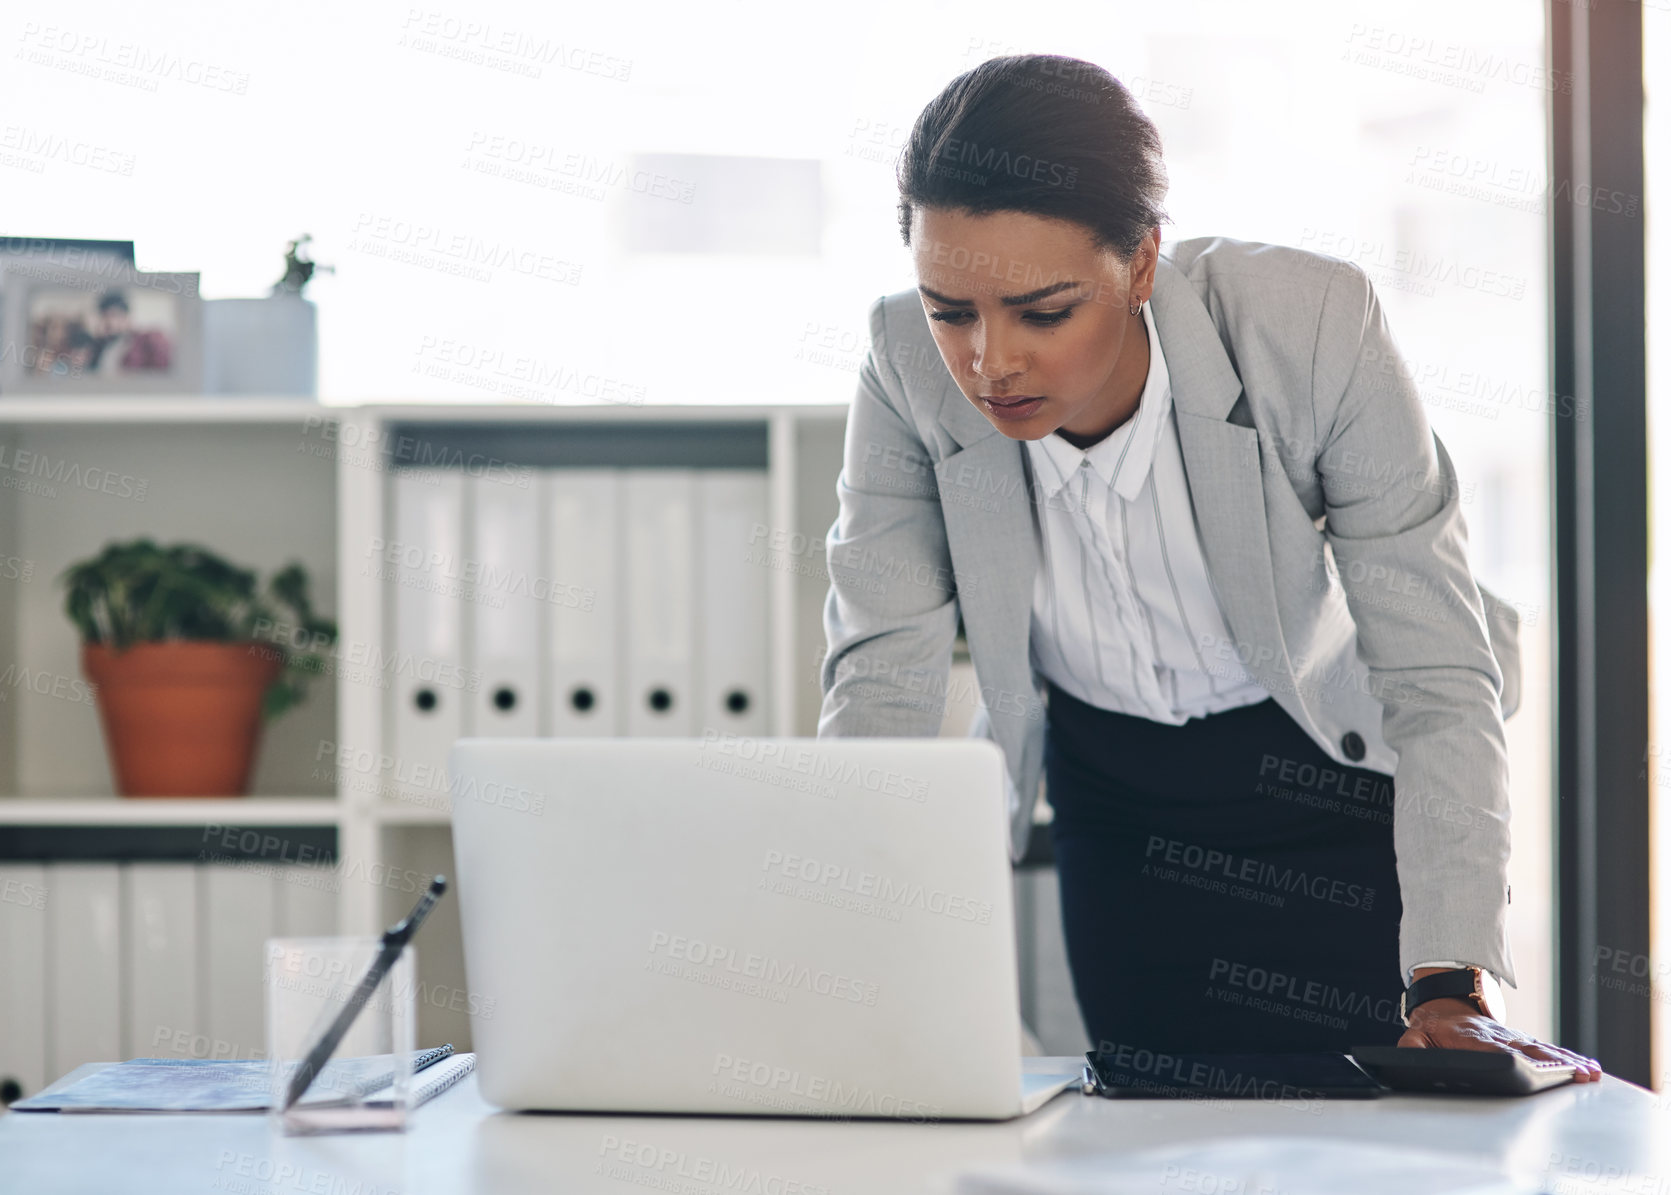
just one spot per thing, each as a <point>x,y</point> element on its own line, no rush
<point>430,683</point>
<point>732,601</point>
<point>240,912</point>
<point>582,560</point>
<point>660,594</point>
<point>83,960</point>
<point>159,908</point>
<point>23,978</point>
<point>305,904</point>
<point>503,577</point>
<point>594,602</point>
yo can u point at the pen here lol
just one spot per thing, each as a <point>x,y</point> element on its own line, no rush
<point>395,939</point>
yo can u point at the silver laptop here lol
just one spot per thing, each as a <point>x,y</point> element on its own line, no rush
<point>797,927</point>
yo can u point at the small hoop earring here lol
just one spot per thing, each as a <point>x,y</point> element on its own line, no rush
<point>1138,306</point>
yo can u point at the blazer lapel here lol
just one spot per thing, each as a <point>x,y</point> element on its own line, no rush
<point>1222,465</point>
<point>989,526</point>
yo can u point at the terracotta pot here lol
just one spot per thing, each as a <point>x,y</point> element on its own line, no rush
<point>181,718</point>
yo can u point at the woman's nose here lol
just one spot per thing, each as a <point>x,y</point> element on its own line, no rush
<point>994,359</point>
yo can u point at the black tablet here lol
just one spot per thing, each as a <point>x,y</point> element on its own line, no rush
<point>1478,1072</point>
<point>1149,1074</point>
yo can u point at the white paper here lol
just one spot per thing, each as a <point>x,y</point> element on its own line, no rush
<point>1269,1165</point>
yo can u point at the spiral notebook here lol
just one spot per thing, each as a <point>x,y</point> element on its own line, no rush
<point>432,1082</point>
<point>210,1085</point>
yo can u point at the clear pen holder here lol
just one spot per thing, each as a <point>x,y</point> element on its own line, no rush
<point>367,1083</point>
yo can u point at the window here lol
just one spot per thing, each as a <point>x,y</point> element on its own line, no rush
<point>674,203</point>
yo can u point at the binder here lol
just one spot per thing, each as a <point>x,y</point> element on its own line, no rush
<point>424,566</point>
<point>23,925</point>
<point>733,634</point>
<point>238,918</point>
<point>582,560</point>
<point>159,905</point>
<point>306,900</point>
<point>504,554</point>
<point>659,587</point>
<point>83,975</point>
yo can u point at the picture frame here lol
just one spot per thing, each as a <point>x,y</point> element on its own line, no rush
<point>101,328</point>
<point>69,251</point>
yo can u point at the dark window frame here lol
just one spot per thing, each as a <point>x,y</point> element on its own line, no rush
<point>1598,345</point>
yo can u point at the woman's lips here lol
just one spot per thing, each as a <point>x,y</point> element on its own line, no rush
<point>1013,406</point>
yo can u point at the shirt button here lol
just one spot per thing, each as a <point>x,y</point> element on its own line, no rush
<point>1352,744</point>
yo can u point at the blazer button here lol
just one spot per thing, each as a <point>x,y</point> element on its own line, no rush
<point>1352,744</point>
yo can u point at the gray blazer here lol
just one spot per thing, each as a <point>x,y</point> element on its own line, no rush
<point>1331,526</point>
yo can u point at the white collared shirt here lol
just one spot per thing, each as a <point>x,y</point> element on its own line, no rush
<point>1122,600</point>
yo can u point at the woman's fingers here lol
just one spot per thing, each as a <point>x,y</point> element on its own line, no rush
<point>1465,1035</point>
<point>1588,1069</point>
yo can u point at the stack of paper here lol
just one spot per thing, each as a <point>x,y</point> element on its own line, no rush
<point>199,1085</point>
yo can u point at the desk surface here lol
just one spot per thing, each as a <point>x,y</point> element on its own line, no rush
<point>1611,1137</point>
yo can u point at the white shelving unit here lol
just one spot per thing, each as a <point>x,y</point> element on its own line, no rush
<point>164,811</point>
<point>265,481</point>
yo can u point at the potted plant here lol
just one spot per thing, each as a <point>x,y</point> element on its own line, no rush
<point>187,656</point>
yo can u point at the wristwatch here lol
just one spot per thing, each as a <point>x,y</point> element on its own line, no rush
<point>1468,983</point>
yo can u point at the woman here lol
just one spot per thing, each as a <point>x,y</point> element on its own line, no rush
<point>1210,564</point>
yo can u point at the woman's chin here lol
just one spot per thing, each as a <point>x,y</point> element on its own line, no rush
<point>1034,429</point>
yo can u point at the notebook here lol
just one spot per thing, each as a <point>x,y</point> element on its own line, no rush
<point>432,1083</point>
<point>208,1085</point>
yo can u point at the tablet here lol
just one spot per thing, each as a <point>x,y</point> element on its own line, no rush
<point>1478,1072</point>
<point>1151,1074</point>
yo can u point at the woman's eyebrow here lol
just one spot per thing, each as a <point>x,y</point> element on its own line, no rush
<point>1032,296</point>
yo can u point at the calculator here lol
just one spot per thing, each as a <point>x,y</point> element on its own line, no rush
<point>1465,1072</point>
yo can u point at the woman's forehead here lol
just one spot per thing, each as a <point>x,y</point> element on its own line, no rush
<point>1006,254</point>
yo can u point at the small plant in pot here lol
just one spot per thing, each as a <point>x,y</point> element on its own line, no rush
<point>188,656</point>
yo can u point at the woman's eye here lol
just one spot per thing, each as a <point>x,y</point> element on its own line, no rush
<point>1047,319</point>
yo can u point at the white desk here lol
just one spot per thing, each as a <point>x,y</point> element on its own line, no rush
<point>1610,1137</point>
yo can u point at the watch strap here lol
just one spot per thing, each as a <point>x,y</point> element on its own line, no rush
<point>1462,984</point>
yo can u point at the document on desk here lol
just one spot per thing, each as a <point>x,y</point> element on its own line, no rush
<point>1292,1165</point>
<point>209,1085</point>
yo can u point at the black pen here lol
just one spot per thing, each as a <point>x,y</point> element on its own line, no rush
<point>395,939</point>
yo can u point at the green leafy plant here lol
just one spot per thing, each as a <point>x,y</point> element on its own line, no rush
<point>138,592</point>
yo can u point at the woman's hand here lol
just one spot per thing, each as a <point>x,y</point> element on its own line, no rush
<point>1455,1024</point>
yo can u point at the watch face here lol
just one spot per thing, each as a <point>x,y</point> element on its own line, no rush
<point>1487,993</point>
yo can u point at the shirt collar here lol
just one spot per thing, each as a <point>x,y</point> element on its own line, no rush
<point>1124,456</point>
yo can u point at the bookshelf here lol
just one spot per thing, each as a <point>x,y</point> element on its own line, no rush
<point>163,811</point>
<point>266,480</point>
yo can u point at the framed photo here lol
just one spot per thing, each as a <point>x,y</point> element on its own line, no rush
<point>101,328</point>
<point>66,251</point>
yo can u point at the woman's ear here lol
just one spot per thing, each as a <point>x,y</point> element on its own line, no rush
<point>1143,264</point>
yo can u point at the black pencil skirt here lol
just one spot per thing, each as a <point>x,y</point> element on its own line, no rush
<point>1226,886</point>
